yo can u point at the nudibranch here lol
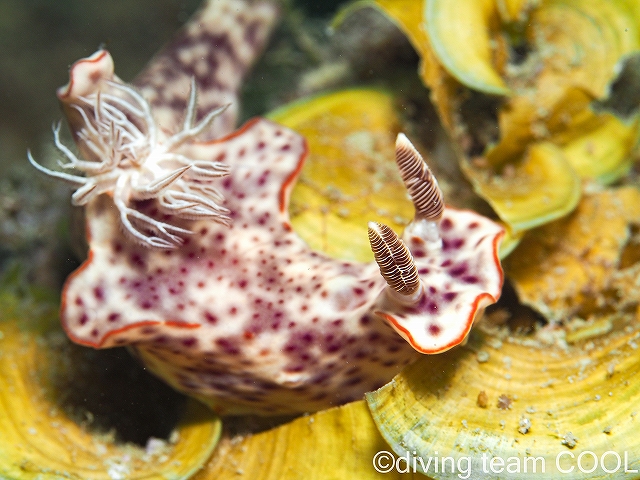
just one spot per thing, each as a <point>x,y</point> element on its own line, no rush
<point>194,265</point>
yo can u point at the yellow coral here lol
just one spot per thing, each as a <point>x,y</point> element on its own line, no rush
<point>349,176</point>
<point>574,54</point>
<point>39,440</point>
<point>513,402</point>
<point>574,266</point>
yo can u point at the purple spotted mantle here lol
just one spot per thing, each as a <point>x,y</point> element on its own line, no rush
<point>247,317</point>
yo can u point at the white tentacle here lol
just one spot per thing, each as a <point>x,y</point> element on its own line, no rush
<point>131,163</point>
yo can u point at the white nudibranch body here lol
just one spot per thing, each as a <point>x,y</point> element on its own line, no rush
<point>131,160</point>
<point>244,315</point>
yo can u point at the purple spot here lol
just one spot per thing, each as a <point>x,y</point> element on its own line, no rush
<point>83,319</point>
<point>98,292</point>
<point>295,368</point>
<point>449,296</point>
<point>136,259</point>
<point>227,346</point>
<point>470,279</point>
<point>307,337</point>
<point>459,270</point>
<point>113,317</point>
<point>434,329</point>
<point>263,178</point>
<point>446,224</point>
<point>190,341</point>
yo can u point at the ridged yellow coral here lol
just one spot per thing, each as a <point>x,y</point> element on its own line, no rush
<point>584,263</point>
<point>538,407</point>
<point>40,441</point>
<point>350,175</point>
<point>507,76</point>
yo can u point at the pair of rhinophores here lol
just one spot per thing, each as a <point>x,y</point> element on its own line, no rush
<point>214,291</point>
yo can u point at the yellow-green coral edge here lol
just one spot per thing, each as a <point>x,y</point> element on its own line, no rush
<point>417,414</point>
<point>491,84</point>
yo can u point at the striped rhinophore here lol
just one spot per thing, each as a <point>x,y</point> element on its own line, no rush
<point>420,182</point>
